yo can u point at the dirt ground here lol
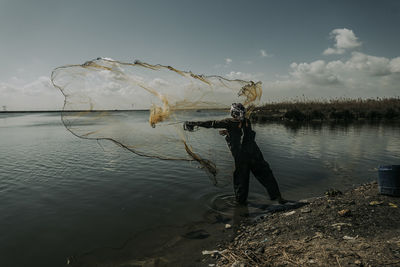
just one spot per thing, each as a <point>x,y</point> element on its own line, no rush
<point>357,228</point>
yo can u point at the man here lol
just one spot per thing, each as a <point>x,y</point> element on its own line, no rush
<point>246,153</point>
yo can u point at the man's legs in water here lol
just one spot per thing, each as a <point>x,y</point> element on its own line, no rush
<point>241,181</point>
<point>261,170</point>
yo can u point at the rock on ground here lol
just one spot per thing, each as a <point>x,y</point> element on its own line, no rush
<point>357,228</point>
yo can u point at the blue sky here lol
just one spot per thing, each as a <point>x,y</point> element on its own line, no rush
<point>319,49</point>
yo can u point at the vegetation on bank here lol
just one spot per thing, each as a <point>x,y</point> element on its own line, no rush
<point>341,109</point>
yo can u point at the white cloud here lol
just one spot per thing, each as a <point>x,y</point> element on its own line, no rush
<point>395,65</point>
<point>263,53</point>
<point>39,86</point>
<point>360,75</point>
<point>317,72</point>
<point>158,82</point>
<point>242,75</point>
<point>345,39</point>
<point>6,90</point>
<point>37,94</point>
<point>227,62</point>
<point>356,75</point>
<point>375,66</point>
<point>238,75</point>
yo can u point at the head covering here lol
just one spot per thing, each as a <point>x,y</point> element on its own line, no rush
<point>238,111</point>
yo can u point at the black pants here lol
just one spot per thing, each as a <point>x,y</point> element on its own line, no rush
<point>254,162</point>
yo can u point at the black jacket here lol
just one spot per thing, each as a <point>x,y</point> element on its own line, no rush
<point>240,136</point>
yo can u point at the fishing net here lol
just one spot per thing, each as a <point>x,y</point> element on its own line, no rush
<point>142,108</point>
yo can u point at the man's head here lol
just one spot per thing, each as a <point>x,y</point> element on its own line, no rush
<point>238,111</point>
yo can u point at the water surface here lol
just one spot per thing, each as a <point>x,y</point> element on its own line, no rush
<point>62,196</point>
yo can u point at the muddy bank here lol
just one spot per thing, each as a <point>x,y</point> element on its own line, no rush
<point>356,228</point>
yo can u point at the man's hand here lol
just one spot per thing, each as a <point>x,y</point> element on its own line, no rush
<point>223,132</point>
<point>188,126</point>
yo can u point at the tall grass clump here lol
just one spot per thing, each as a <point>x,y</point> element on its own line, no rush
<point>335,109</point>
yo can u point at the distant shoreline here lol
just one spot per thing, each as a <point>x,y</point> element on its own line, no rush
<point>59,111</point>
<point>334,110</point>
<point>100,110</point>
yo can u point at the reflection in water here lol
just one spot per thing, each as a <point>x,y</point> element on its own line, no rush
<point>62,196</point>
<point>306,157</point>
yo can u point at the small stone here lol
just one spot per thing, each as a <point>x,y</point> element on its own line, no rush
<point>333,193</point>
<point>318,235</point>
<point>311,261</point>
<point>209,252</point>
<point>276,232</point>
<point>358,262</point>
<point>346,237</point>
<point>375,203</point>
<point>228,226</point>
<point>305,210</point>
<point>289,213</point>
<point>344,212</point>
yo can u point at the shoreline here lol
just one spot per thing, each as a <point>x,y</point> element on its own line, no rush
<point>357,228</point>
<point>348,110</point>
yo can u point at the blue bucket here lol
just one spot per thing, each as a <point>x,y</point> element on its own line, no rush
<point>389,180</point>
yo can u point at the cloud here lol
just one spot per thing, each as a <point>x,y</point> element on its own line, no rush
<point>345,39</point>
<point>264,53</point>
<point>158,82</point>
<point>238,75</point>
<point>317,72</point>
<point>360,75</point>
<point>38,94</point>
<point>227,62</point>
<point>395,65</point>
<point>243,76</point>
<point>357,75</point>
<point>41,85</point>
<point>370,65</point>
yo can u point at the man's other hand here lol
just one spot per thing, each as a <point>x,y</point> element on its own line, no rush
<point>188,126</point>
<point>223,132</point>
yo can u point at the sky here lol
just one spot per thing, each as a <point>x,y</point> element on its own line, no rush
<point>298,49</point>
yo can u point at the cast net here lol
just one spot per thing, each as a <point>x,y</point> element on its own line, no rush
<point>142,107</point>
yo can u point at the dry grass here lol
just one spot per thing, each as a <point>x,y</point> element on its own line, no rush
<point>337,103</point>
<point>335,109</point>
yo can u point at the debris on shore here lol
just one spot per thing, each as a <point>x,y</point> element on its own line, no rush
<point>357,228</point>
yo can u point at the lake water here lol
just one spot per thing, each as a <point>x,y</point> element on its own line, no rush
<point>61,196</point>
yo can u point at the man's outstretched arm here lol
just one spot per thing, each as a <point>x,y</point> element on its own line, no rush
<point>189,125</point>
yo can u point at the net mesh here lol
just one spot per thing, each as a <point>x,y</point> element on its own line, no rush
<point>141,107</point>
